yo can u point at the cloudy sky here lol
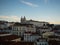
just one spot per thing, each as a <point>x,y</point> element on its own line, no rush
<point>41,10</point>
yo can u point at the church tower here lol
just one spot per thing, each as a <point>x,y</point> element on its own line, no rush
<point>23,20</point>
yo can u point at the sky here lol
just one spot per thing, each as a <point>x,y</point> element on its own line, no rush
<point>40,10</point>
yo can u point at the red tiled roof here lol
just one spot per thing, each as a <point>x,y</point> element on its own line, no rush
<point>8,38</point>
<point>17,43</point>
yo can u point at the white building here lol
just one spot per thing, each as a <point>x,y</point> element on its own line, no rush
<point>40,26</point>
<point>38,23</point>
<point>3,24</point>
<point>45,35</point>
<point>41,41</point>
<point>19,29</point>
<point>30,37</point>
<point>42,30</point>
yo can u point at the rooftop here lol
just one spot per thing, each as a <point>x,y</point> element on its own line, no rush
<point>20,24</point>
<point>8,37</point>
<point>17,43</point>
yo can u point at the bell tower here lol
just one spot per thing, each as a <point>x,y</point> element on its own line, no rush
<point>23,20</point>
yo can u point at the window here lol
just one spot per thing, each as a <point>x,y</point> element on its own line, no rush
<point>40,44</point>
<point>17,28</point>
<point>37,40</point>
<point>16,33</point>
<point>43,44</point>
<point>23,28</point>
<point>46,43</point>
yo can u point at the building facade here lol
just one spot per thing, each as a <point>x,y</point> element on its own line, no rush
<point>19,29</point>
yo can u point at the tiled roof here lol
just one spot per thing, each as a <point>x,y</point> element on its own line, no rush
<point>8,38</point>
<point>17,43</point>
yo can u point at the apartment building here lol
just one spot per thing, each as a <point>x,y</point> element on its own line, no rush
<point>31,36</point>
<point>19,28</point>
<point>41,41</point>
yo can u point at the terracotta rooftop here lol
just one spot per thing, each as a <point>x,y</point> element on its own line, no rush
<point>16,43</point>
<point>8,38</point>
